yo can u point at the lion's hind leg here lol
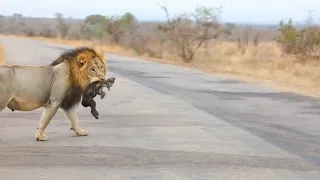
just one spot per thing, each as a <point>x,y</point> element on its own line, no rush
<point>3,105</point>
<point>47,114</point>
<point>6,78</point>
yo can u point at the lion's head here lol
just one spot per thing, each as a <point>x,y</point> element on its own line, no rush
<point>95,70</point>
<point>86,65</point>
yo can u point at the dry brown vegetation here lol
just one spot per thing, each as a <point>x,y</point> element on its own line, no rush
<point>284,56</point>
<point>1,55</point>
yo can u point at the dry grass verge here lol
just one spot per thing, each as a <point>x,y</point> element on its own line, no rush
<point>263,64</point>
<point>1,55</point>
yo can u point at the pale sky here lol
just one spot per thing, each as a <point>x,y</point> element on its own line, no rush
<point>248,11</point>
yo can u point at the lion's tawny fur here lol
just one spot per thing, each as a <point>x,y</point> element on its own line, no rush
<point>57,85</point>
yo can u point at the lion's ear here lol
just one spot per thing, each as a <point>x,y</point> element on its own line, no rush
<point>81,62</point>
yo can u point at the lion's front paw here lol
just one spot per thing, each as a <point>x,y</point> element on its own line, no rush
<point>41,137</point>
<point>81,132</point>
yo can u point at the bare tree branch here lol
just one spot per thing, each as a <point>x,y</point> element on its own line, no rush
<point>189,31</point>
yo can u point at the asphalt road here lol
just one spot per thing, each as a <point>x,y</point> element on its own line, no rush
<point>164,122</point>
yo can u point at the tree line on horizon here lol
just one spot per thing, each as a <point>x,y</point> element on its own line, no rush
<point>183,35</point>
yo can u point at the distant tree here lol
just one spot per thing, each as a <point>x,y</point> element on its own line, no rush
<point>117,26</point>
<point>230,26</point>
<point>287,37</point>
<point>304,42</point>
<point>113,28</point>
<point>94,25</point>
<point>17,15</point>
<point>63,27</point>
<point>127,19</point>
<point>188,31</point>
<point>95,19</point>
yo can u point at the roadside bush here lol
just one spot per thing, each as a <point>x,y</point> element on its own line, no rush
<point>304,42</point>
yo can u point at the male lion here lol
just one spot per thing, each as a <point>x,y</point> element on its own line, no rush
<point>54,86</point>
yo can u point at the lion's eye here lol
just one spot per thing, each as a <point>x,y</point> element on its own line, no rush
<point>101,67</point>
<point>93,70</point>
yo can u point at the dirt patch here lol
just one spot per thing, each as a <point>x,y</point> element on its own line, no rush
<point>263,64</point>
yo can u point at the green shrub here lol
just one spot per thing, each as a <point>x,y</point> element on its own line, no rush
<point>304,42</point>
